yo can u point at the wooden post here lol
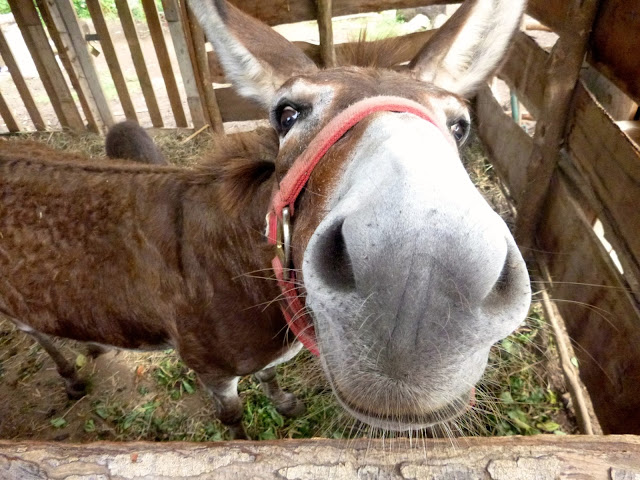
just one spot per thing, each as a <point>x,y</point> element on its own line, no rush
<point>325,28</point>
<point>129,28</point>
<point>64,16</point>
<point>54,83</point>
<point>200,60</point>
<point>21,85</point>
<point>155,29</point>
<point>563,71</point>
<point>7,116</point>
<point>112,59</point>
<point>172,16</point>
<point>60,38</point>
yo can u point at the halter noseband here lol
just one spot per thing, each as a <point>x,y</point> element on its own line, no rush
<point>282,203</point>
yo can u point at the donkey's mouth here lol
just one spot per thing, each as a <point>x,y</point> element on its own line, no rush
<point>399,421</point>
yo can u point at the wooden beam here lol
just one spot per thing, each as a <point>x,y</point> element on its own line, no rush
<point>172,16</point>
<point>50,74</point>
<point>562,74</point>
<point>66,54</point>
<point>325,29</point>
<point>8,117</point>
<point>88,78</point>
<point>200,55</point>
<point>21,85</point>
<point>157,36</point>
<point>129,28</point>
<point>112,59</point>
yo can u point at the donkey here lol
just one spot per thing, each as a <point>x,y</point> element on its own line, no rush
<point>128,140</point>
<point>388,263</point>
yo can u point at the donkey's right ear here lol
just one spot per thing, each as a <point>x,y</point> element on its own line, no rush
<point>255,58</point>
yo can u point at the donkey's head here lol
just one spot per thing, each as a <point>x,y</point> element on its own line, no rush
<point>410,277</point>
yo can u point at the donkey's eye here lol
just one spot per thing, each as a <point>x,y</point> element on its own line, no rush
<point>288,118</point>
<point>460,131</point>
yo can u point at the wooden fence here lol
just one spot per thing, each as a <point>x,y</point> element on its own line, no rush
<point>578,171</point>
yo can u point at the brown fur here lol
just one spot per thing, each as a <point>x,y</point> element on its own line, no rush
<point>128,140</point>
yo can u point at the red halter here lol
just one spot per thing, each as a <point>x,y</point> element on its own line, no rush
<point>282,204</point>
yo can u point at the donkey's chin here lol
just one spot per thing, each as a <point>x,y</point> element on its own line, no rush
<point>407,421</point>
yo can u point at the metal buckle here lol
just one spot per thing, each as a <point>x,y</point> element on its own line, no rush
<point>283,243</point>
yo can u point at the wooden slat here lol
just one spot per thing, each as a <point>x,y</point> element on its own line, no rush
<point>562,74</point>
<point>507,143</point>
<point>172,16</point>
<point>21,85</point>
<point>7,116</point>
<point>129,28</point>
<point>291,11</point>
<point>54,83</point>
<point>610,163</point>
<point>601,316</point>
<point>157,36</point>
<point>66,54</point>
<point>87,76</point>
<point>542,457</point>
<point>325,30</point>
<point>614,100</point>
<point>614,44</point>
<point>552,13</point>
<point>112,59</point>
<point>201,62</point>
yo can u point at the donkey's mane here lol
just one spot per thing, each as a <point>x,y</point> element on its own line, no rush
<point>383,53</point>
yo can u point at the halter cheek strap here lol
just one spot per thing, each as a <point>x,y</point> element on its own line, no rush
<point>282,203</point>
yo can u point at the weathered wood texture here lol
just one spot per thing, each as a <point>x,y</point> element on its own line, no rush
<point>112,59</point>
<point>598,177</point>
<point>325,30</point>
<point>7,115</point>
<point>21,85</point>
<point>508,458</point>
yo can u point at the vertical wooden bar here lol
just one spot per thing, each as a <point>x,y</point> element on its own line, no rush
<point>80,57</point>
<point>325,28</point>
<point>21,85</point>
<point>155,29</point>
<point>563,72</point>
<point>7,116</point>
<point>129,28</point>
<point>51,76</point>
<point>60,39</point>
<point>112,59</point>
<point>201,61</point>
<point>172,16</point>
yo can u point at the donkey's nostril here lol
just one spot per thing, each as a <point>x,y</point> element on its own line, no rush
<point>332,259</point>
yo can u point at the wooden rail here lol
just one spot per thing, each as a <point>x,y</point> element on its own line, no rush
<point>507,458</point>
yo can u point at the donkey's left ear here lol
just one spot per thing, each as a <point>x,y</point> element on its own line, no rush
<point>466,50</point>
<point>255,58</point>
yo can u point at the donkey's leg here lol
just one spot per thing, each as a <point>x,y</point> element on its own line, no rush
<point>224,390</point>
<point>94,350</point>
<point>75,387</point>
<point>286,403</point>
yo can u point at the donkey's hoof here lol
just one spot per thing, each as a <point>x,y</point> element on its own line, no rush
<point>76,389</point>
<point>237,432</point>
<point>291,406</point>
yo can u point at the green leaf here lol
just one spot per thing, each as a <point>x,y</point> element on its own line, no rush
<point>101,411</point>
<point>58,422</point>
<point>519,419</point>
<point>187,386</point>
<point>506,397</point>
<point>81,361</point>
<point>548,426</point>
<point>90,426</point>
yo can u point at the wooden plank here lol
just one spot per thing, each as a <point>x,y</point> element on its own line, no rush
<point>201,61</point>
<point>129,28</point>
<point>21,85</point>
<point>112,59</point>
<point>50,74</point>
<point>507,143</point>
<point>562,74</point>
<point>172,16</point>
<point>291,11</point>
<point>88,78</point>
<point>8,117</point>
<point>325,30</point>
<point>610,163</point>
<point>551,13</point>
<point>60,38</point>
<point>157,36</point>
<point>601,315</point>
<point>506,458</point>
<point>618,104</point>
